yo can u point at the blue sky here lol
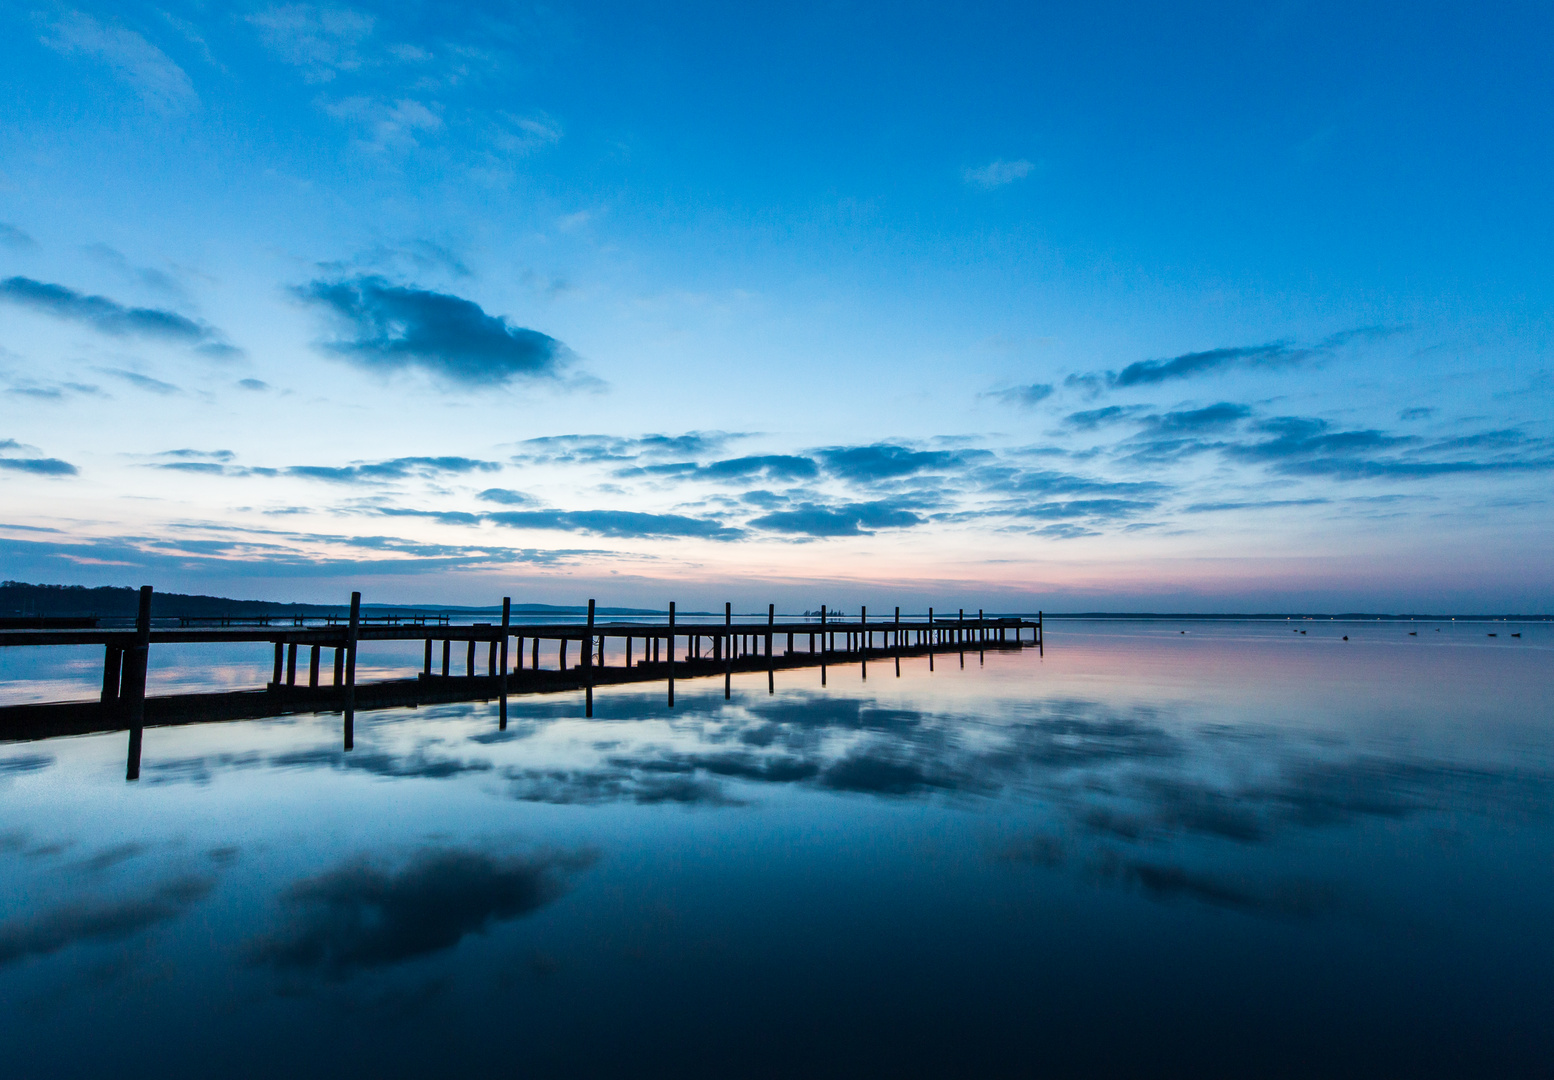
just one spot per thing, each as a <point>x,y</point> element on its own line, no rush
<point>1178,307</point>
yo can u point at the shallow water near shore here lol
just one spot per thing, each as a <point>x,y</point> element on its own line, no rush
<point>1195,849</point>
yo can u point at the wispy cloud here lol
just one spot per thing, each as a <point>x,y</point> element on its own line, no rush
<point>1023,396</point>
<point>161,83</point>
<point>1189,365</point>
<point>394,327</point>
<point>110,317</point>
<point>998,173</point>
<point>617,523</point>
<point>845,519</point>
<point>375,472</point>
<point>15,239</point>
<point>322,41</point>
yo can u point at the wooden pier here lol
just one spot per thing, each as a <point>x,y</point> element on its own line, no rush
<point>492,656</point>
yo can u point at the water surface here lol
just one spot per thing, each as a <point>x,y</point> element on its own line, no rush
<point>1233,851</point>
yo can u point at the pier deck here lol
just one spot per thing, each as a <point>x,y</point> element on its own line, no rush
<point>668,650</point>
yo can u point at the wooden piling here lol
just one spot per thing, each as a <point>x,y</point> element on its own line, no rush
<point>133,683</point>
<point>670,649</point>
<point>313,666</point>
<point>351,634</point>
<point>588,663</point>
<point>113,662</point>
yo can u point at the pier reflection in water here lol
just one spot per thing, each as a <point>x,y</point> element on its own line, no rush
<point>1235,851</point>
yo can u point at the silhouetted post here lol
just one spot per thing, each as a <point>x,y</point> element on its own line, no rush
<point>931,639</point>
<point>501,685</point>
<point>133,687</point>
<point>535,659</point>
<point>669,646</point>
<point>447,655</point>
<point>1041,636</point>
<point>771,676</point>
<point>588,664</point>
<point>426,668</point>
<point>728,653</point>
<point>351,634</point>
<point>339,666</point>
<point>313,666</point>
<point>113,662</point>
<point>291,663</point>
<point>628,652</point>
<point>280,661</point>
<point>469,659</point>
<point>518,656</point>
<point>561,654</point>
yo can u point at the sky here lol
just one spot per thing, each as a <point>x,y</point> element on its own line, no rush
<point>1186,307</point>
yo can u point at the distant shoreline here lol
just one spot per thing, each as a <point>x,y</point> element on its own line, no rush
<point>22,599</point>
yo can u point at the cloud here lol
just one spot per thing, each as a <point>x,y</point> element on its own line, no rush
<point>617,523</point>
<point>588,449</point>
<point>884,461</point>
<point>998,173</point>
<point>161,84</point>
<point>143,382</point>
<point>1090,419</point>
<point>107,920</point>
<point>39,466</point>
<point>847,519</point>
<point>15,239</point>
<point>1303,436</point>
<point>506,497</point>
<point>1023,396</point>
<point>775,468</point>
<point>1210,418</point>
<point>320,40</point>
<point>377,472</point>
<point>1273,354</point>
<point>1265,504</point>
<point>364,915</point>
<point>393,327</point>
<point>1421,412</point>
<point>1105,509</point>
<point>391,125</point>
<point>188,453</point>
<point>108,316</point>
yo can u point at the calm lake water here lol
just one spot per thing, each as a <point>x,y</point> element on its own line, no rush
<point>1234,851</point>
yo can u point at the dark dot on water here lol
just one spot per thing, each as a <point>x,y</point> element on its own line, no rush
<point>1346,637</point>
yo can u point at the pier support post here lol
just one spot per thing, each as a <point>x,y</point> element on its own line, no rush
<point>447,655</point>
<point>670,648</point>
<point>291,663</point>
<point>113,662</point>
<point>133,687</point>
<point>535,659</point>
<point>280,662</point>
<point>426,668</point>
<point>351,633</point>
<point>313,667</point>
<point>469,660</point>
<point>588,664</point>
<point>501,686</point>
<point>728,653</point>
<point>771,676</point>
<point>339,666</point>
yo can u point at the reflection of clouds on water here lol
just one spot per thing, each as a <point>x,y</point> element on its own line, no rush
<point>1253,895</point>
<point>18,764</point>
<point>100,920</point>
<point>363,914</point>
